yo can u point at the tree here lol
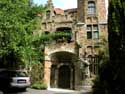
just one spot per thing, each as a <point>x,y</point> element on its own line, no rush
<point>111,74</point>
<point>116,28</point>
<point>18,22</point>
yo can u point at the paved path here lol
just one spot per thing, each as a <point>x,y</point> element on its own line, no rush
<point>49,91</point>
<point>52,91</point>
<point>63,91</point>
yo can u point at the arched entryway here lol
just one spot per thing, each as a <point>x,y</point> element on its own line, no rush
<point>64,77</point>
<point>62,70</point>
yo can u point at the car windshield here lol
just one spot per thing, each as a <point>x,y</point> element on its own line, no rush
<point>18,74</point>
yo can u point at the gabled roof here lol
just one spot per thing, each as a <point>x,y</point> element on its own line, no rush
<point>59,11</point>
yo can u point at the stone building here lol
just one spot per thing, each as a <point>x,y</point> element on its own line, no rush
<point>71,60</point>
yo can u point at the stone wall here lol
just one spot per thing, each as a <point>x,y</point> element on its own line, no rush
<point>77,20</point>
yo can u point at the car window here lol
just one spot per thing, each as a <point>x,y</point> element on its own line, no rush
<point>18,74</point>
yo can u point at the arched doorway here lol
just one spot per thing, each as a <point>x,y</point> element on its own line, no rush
<point>64,76</point>
<point>62,70</point>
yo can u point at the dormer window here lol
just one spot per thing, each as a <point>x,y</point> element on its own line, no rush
<point>91,7</point>
<point>48,14</point>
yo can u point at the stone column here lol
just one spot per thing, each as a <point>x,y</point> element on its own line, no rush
<point>77,76</point>
<point>56,78</point>
<point>71,79</point>
<point>47,72</point>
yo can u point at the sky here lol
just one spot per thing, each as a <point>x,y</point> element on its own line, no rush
<point>64,4</point>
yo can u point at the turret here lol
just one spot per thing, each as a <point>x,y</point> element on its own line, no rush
<point>81,10</point>
<point>50,9</point>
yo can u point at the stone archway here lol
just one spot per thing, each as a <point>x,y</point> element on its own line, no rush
<point>62,70</point>
<point>64,77</point>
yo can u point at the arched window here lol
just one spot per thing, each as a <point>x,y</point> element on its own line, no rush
<point>91,7</point>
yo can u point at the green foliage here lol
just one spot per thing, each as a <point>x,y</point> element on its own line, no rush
<point>100,84</point>
<point>37,10</point>
<point>116,28</point>
<point>39,85</point>
<point>103,51</point>
<point>61,35</point>
<point>54,36</point>
<point>111,76</point>
<point>18,22</point>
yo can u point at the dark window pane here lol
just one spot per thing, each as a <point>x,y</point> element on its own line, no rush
<point>89,35</point>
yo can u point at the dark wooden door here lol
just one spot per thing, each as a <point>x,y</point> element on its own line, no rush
<point>64,77</point>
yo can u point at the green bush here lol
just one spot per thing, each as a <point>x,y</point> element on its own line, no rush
<point>39,85</point>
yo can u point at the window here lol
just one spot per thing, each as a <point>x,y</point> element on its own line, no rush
<point>92,31</point>
<point>96,46</point>
<point>95,27</point>
<point>89,28</point>
<point>95,32</point>
<point>48,14</point>
<point>95,35</point>
<point>89,31</point>
<point>91,7</point>
<point>46,32</point>
<point>89,34</point>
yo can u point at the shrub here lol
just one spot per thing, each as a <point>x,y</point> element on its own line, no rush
<point>39,85</point>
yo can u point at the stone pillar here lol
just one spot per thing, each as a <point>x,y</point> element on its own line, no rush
<point>71,79</point>
<point>47,72</point>
<point>77,76</point>
<point>56,78</point>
